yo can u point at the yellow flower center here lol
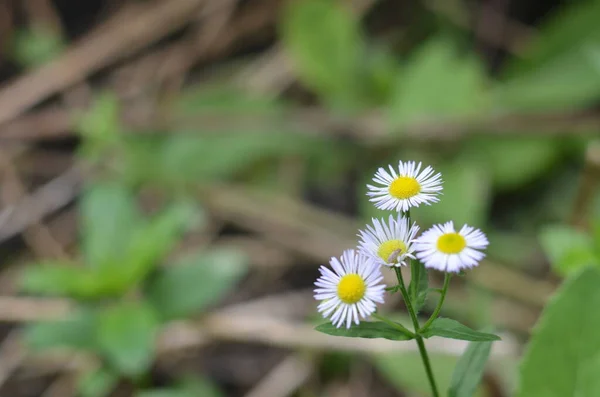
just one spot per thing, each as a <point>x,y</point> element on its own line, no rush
<point>451,243</point>
<point>404,187</point>
<point>390,250</point>
<point>351,288</point>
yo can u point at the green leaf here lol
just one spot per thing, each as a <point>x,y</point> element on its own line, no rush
<point>191,388</point>
<point>76,332</point>
<point>109,219</point>
<point>563,355</point>
<point>189,157</point>
<point>366,329</point>
<point>448,328</point>
<point>36,46</point>
<point>63,280</point>
<point>222,99</point>
<point>97,383</point>
<point>324,42</point>
<point>195,282</point>
<point>568,249</point>
<point>405,372</point>
<point>419,284</point>
<point>152,242</point>
<point>436,84</point>
<point>501,156</point>
<point>126,335</point>
<point>100,126</point>
<point>569,81</point>
<point>566,29</point>
<point>469,370</point>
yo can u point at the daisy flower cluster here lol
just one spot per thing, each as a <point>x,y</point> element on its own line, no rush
<point>350,290</point>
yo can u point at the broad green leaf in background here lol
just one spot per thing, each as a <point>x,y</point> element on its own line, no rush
<point>405,372</point>
<point>109,219</point>
<point>419,284</point>
<point>126,334</point>
<point>568,249</point>
<point>448,328</point>
<point>366,329</point>
<point>469,370</point>
<point>36,46</point>
<point>97,383</point>
<point>76,332</point>
<point>195,282</point>
<point>465,198</point>
<point>563,355</point>
<point>48,278</point>
<point>437,85</point>
<point>323,40</point>
<point>511,162</point>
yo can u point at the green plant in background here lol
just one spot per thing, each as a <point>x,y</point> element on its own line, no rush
<point>125,288</point>
<point>353,288</point>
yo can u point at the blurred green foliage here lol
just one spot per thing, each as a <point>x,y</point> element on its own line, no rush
<point>126,285</point>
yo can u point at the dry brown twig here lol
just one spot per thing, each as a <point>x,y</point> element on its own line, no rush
<point>36,235</point>
<point>132,28</point>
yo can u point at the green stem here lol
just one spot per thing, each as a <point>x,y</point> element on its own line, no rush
<point>399,327</point>
<point>418,337</point>
<point>438,308</point>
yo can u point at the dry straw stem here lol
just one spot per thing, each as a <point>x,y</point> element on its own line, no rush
<point>135,26</point>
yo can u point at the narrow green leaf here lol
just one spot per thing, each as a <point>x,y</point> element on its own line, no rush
<point>76,332</point>
<point>152,242</point>
<point>567,28</point>
<point>195,282</point>
<point>62,279</point>
<point>563,356</point>
<point>109,218</point>
<point>195,387</point>
<point>325,45</point>
<point>469,370</point>
<point>366,329</point>
<point>568,250</point>
<point>452,329</point>
<point>126,334</point>
<point>419,285</point>
<point>98,383</point>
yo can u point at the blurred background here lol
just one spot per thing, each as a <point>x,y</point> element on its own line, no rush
<point>174,172</point>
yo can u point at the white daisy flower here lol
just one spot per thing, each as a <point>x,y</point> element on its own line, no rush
<point>409,187</point>
<point>445,249</point>
<point>350,290</point>
<point>389,243</point>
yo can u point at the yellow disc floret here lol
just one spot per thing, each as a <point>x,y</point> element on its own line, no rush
<point>451,243</point>
<point>351,288</point>
<point>404,187</point>
<point>389,250</point>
